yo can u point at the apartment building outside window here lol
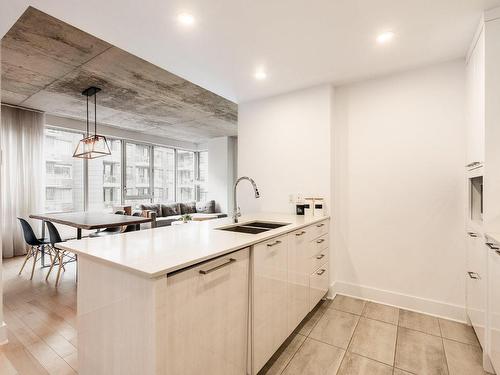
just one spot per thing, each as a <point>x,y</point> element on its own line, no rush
<point>185,176</point>
<point>64,175</point>
<point>104,179</point>
<point>201,183</point>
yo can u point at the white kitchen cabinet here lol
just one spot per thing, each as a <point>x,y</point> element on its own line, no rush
<point>318,254</point>
<point>270,283</point>
<point>298,276</point>
<point>494,303</point>
<point>318,283</point>
<point>207,317</point>
<point>318,229</point>
<point>475,101</point>
<point>476,283</point>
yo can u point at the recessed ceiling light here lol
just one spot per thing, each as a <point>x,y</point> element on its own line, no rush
<point>185,19</point>
<point>385,37</point>
<point>260,74</point>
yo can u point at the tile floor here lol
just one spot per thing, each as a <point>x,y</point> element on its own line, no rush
<point>349,336</point>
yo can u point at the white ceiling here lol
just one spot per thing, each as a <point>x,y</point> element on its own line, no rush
<point>300,42</point>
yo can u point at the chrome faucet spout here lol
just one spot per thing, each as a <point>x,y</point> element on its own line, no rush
<point>236,212</point>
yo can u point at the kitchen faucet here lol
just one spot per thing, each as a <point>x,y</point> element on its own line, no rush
<point>237,212</point>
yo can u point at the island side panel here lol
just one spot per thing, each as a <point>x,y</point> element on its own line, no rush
<point>116,320</point>
<point>207,319</point>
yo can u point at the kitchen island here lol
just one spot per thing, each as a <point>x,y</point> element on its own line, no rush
<point>195,298</point>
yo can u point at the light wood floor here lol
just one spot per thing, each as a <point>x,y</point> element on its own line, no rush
<point>41,321</point>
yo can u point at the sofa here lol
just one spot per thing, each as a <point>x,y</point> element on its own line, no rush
<point>163,214</point>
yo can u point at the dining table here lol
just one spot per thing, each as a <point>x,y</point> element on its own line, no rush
<point>88,221</point>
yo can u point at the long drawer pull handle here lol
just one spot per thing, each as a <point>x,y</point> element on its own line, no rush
<point>320,272</point>
<point>229,261</point>
<point>473,275</point>
<point>492,246</point>
<point>301,233</point>
<point>274,243</point>
<point>321,240</point>
<point>320,225</point>
<point>472,234</point>
<point>321,256</point>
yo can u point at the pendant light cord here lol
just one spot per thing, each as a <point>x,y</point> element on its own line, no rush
<point>87,115</point>
<point>95,114</point>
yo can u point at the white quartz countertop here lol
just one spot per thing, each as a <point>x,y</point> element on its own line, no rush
<point>155,252</point>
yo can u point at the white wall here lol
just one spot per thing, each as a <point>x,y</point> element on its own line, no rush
<point>399,192</point>
<point>284,145</point>
<point>221,171</point>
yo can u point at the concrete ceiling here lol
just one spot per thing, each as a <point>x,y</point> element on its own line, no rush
<point>46,64</point>
<point>300,42</point>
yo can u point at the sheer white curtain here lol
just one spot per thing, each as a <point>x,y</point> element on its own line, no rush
<point>21,190</point>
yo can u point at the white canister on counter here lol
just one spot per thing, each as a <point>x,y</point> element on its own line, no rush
<point>319,207</point>
<point>309,207</point>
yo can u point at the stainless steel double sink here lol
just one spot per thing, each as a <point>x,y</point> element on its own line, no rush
<point>253,227</point>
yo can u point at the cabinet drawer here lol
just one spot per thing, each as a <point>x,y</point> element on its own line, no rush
<point>318,229</point>
<point>319,244</point>
<point>316,261</point>
<point>318,285</point>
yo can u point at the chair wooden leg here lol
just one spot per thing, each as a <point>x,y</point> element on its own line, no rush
<point>28,255</point>
<point>61,256</point>
<point>53,262</point>
<point>35,257</point>
<point>52,250</point>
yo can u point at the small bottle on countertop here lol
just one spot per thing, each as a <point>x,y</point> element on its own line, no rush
<point>299,205</point>
<point>309,207</point>
<point>319,204</point>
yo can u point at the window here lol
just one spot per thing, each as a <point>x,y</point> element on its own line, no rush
<point>201,184</point>
<point>104,179</point>
<point>64,190</point>
<point>164,177</point>
<point>151,174</point>
<point>185,176</point>
<point>138,162</point>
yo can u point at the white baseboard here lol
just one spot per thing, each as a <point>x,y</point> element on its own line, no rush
<point>405,301</point>
<point>3,333</point>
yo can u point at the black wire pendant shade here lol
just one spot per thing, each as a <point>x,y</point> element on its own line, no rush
<point>92,146</point>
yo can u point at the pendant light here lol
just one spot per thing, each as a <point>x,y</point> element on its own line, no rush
<point>92,146</point>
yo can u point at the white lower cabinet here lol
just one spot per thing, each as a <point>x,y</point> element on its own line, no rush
<point>318,282</point>
<point>476,278</point>
<point>269,316</point>
<point>290,276</point>
<point>298,277</point>
<point>494,303</point>
<point>207,319</point>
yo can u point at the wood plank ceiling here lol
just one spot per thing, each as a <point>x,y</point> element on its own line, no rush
<point>46,64</point>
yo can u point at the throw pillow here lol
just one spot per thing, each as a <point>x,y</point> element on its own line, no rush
<point>207,207</point>
<point>188,208</point>
<point>151,207</point>
<point>170,209</point>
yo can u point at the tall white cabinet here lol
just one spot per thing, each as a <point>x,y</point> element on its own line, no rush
<point>474,80</point>
<point>483,172</point>
<point>492,177</point>
<point>476,264</point>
